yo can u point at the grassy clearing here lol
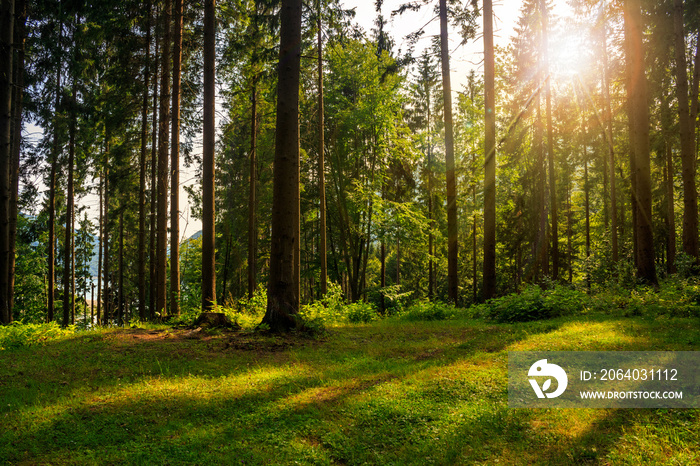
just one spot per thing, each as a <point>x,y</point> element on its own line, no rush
<point>387,392</point>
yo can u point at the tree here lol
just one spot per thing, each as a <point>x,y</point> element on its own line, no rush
<point>163,131</point>
<point>550,143</point>
<point>490,156</point>
<point>142,171</point>
<point>282,297</point>
<point>321,162</point>
<point>208,232</point>
<point>175,164</point>
<point>7,20</point>
<point>687,135</point>
<point>639,139</point>
<point>452,227</point>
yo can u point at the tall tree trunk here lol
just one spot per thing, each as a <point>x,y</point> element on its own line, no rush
<point>51,250</point>
<point>611,147</point>
<point>20,38</point>
<point>569,223</point>
<point>452,227</point>
<point>321,164</point>
<point>431,221</point>
<point>283,300</point>
<point>107,308</point>
<point>70,201</point>
<point>153,254</point>
<point>637,94</point>
<point>687,135</point>
<point>175,165</point>
<point>489,277</point>
<point>208,232</point>
<point>120,294</point>
<point>163,132</point>
<point>142,173</point>
<point>554,227</point>
<point>252,200</point>
<point>7,21</point>
<point>99,251</point>
<point>671,216</point>
<point>586,189</point>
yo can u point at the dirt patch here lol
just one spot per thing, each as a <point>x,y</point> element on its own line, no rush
<point>219,340</point>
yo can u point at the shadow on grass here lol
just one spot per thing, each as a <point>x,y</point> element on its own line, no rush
<point>403,394</point>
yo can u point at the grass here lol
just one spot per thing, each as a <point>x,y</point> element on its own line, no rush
<point>388,392</point>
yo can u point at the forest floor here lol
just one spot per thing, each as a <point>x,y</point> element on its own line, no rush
<point>388,392</point>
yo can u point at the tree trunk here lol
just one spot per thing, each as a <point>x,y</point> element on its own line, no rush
<point>153,255</point>
<point>611,147</point>
<point>687,135</point>
<point>142,173</point>
<point>107,308</point>
<point>70,201</point>
<point>51,252</point>
<point>20,38</point>
<point>99,252</point>
<point>175,165</point>
<point>671,216</point>
<point>452,227</point>
<point>554,227</point>
<point>120,295</point>
<point>163,131</point>
<point>7,21</point>
<point>321,164</point>
<point>489,277</point>
<point>252,201</point>
<point>208,232</point>
<point>586,189</point>
<point>637,94</point>
<point>283,301</point>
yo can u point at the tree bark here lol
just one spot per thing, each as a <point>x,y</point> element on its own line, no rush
<point>67,262</point>
<point>671,216</point>
<point>489,277</point>
<point>611,148</point>
<point>120,294</point>
<point>637,94</point>
<point>99,252</point>
<point>252,201</point>
<point>153,254</point>
<point>107,308</point>
<point>142,173</point>
<point>321,164</point>
<point>51,252</point>
<point>7,20</point>
<point>554,226</point>
<point>687,136</point>
<point>283,300</point>
<point>175,164</point>
<point>163,131</point>
<point>208,231</point>
<point>20,38</point>
<point>452,227</point>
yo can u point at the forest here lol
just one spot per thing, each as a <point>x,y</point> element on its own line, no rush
<point>380,227</point>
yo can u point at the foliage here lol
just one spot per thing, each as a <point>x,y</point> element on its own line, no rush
<point>427,311</point>
<point>20,334</point>
<point>535,303</point>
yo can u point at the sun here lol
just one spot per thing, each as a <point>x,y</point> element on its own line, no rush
<point>569,54</point>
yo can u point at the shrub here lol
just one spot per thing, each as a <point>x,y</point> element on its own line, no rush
<point>425,310</point>
<point>18,334</point>
<point>360,312</point>
<point>534,303</point>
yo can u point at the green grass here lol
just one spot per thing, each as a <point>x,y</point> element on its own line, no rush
<point>388,392</point>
